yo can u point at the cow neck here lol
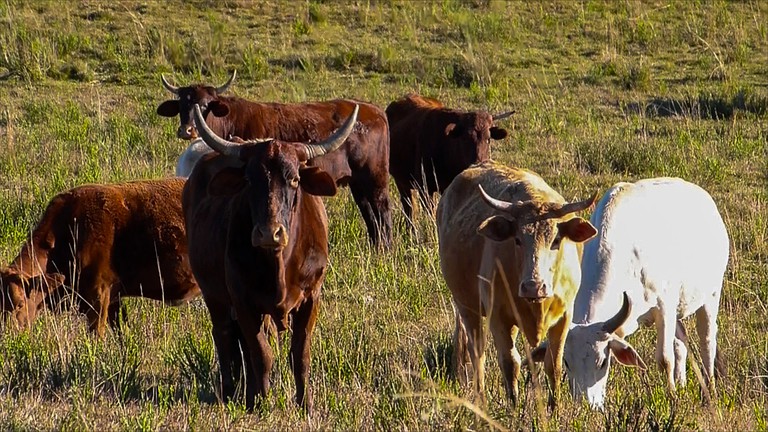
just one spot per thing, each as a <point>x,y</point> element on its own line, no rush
<point>33,258</point>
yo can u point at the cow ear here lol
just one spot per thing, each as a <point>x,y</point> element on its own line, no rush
<point>498,133</point>
<point>625,354</point>
<point>453,130</point>
<point>227,181</point>
<point>218,108</point>
<point>169,108</point>
<point>497,228</point>
<point>315,181</point>
<point>577,229</point>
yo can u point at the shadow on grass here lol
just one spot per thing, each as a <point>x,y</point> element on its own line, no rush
<point>705,106</point>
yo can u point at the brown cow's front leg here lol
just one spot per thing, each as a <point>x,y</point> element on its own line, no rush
<point>553,360</point>
<point>303,325</point>
<point>94,300</point>
<point>227,349</point>
<point>260,352</point>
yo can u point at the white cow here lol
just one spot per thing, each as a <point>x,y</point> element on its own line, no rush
<point>196,150</point>
<point>660,255</point>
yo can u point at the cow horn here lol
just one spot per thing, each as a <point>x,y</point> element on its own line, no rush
<point>334,141</point>
<point>575,206</point>
<point>502,116</point>
<point>497,203</point>
<point>226,148</point>
<point>171,88</point>
<point>618,320</point>
<point>222,88</point>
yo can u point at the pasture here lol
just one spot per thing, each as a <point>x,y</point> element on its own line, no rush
<point>603,91</point>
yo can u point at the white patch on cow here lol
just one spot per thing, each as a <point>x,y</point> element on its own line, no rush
<point>188,159</point>
<point>664,242</point>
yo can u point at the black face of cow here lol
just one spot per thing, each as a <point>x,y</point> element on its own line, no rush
<point>270,179</point>
<point>205,96</point>
<point>273,177</point>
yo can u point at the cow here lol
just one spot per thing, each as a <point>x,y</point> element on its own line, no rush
<point>196,149</point>
<point>258,243</point>
<point>515,259</point>
<point>362,163</point>
<point>103,242</point>
<point>431,144</point>
<point>660,256</point>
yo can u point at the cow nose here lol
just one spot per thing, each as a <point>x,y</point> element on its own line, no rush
<point>186,132</point>
<point>533,290</point>
<point>270,237</point>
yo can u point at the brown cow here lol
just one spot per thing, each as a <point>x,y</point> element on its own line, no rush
<point>105,242</point>
<point>430,145</point>
<point>362,162</point>
<point>258,241</point>
<point>515,261</point>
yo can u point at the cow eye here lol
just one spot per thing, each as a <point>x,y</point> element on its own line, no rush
<point>518,241</point>
<point>294,182</point>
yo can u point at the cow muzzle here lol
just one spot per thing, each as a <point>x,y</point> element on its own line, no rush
<point>186,132</point>
<point>274,237</point>
<point>535,291</point>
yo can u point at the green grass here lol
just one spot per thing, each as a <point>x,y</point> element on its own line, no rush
<point>603,91</point>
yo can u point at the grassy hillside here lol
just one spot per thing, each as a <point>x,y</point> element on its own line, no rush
<point>603,91</point>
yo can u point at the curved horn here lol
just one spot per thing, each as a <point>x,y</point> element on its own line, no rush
<point>335,140</point>
<point>576,206</point>
<point>497,203</point>
<point>222,88</point>
<point>502,116</point>
<point>227,148</point>
<point>171,88</point>
<point>618,320</point>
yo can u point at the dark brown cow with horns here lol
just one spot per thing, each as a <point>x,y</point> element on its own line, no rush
<point>431,144</point>
<point>104,242</point>
<point>362,162</point>
<point>258,239</point>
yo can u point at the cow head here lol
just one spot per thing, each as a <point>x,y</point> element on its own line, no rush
<point>270,174</point>
<point>589,349</point>
<point>538,230</point>
<point>24,296</point>
<point>467,141</point>
<point>205,96</point>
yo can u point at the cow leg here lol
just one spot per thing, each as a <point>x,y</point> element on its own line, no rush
<point>256,340</point>
<point>94,300</point>
<point>509,358</point>
<point>372,198</point>
<point>553,360</point>
<point>681,353</point>
<point>461,360</point>
<point>227,349</point>
<point>666,320</point>
<point>706,327</point>
<point>406,200</point>
<point>303,324</point>
<point>475,336</point>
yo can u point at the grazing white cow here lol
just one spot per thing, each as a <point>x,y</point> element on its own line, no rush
<point>196,150</point>
<point>660,255</point>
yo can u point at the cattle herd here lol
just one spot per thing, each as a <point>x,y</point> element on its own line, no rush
<point>243,224</point>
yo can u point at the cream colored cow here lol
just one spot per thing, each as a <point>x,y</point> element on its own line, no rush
<point>529,232</point>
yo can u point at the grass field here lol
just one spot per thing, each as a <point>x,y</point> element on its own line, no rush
<point>603,91</point>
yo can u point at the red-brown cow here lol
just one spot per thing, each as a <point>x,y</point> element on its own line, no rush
<point>258,242</point>
<point>105,242</point>
<point>361,162</point>
<point>431,144</point>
